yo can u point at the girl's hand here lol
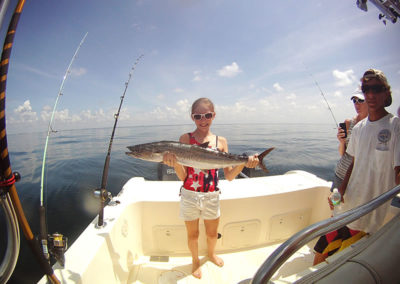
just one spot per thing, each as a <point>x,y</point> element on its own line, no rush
<point>340,135</point>
<point>252,162</point>
<point>170,159</point>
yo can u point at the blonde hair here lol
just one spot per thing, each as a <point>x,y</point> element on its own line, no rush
<point>204,101</point>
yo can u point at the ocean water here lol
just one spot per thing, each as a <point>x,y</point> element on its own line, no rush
<point>75,161</point>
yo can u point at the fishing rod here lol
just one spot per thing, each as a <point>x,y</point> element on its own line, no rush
<point>322,94</point>
<point>102,192</point>
<point>42,210</point>
<point>8,178</point>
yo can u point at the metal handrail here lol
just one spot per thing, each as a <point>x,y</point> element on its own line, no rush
<point>13,239</point>
<point>288,248</point>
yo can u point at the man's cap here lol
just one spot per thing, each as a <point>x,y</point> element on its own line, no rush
<point>375,74</point>
<point>380,76</point>
<point>357,94</point>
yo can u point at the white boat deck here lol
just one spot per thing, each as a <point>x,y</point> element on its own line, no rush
<point>257,214</point>
<point>238,266</point>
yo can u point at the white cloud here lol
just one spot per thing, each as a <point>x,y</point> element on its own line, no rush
<point>277,87</point>
<point>45,114</point>
<point>344,78</point>
<point>175,113</point>
<point>291,96</point>
<point>183,105</point>
<point>229,70</point>
<point>197,77</point>
<point>234,111</point>
<point>178,90</point>
<point>60,115</point>
<point>98,115</point>
<point>78,71</point>
<point>124,114</point>
<point>24,113</point>
<point>37,71</point>
<point>338,94</point>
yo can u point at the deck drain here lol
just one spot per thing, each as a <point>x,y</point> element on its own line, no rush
<point>159,258</point>
<point>170,277</point>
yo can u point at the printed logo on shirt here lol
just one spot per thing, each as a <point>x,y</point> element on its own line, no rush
<point>383,139</point>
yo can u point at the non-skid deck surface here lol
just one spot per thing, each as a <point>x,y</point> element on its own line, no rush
<point>238,266</point>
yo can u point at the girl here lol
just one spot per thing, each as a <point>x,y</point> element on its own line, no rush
<point>343,164</point>
<point>200,192</point>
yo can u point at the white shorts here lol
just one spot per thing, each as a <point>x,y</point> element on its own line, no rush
<point>195,204</point>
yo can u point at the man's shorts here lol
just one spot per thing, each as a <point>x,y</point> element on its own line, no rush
<point>337,240</point>
<point>194,205</point>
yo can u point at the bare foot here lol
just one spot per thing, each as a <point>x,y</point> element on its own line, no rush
<point>196,269</point>
<point>217,260</point>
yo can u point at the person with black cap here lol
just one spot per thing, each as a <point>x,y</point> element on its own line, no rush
<point>343,136</point>
<point>375,148</point>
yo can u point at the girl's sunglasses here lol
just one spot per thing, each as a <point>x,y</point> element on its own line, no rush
<point>357,101</point>
<point>376,89</point>
<point>207,115</point>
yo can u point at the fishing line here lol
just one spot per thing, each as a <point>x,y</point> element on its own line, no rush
<point>322,94</point>
<point>50,128</point>
<point>42,209</point>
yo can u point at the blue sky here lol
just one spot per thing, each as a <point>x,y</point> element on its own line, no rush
<point>252,58</point>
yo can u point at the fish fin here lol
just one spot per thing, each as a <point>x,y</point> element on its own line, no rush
<point>204,145</point>
<point>261,157</point>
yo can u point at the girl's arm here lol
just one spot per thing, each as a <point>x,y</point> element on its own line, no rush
<point>170,160</point>
<point>231,172</point>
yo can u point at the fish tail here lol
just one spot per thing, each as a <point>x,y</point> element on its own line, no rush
<point>261,157</point>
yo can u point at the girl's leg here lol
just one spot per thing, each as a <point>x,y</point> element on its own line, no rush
<point>212,235</point>
<point>192,228</point>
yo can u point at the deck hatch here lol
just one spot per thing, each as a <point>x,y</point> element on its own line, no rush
<point>241,234</point>
<point>285,225</point>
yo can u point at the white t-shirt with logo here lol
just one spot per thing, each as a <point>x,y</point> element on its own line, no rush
<point>375,146</point>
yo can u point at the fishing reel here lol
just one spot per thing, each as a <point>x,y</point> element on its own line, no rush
<point>57,245</point>
<point>105,196</point>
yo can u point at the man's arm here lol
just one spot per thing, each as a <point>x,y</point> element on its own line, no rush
<point>397,174</point>
<point>346,179</point>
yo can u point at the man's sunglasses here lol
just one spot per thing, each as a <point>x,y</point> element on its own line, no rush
<point>357,101</point>
<point>207,115</point>
<point>376,89</point>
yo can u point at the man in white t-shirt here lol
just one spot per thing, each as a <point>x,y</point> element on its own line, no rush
<point>375,148</point>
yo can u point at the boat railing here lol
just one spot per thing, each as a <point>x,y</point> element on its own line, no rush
<point>289,247</point>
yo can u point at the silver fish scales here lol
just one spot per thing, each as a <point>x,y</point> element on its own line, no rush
<point>196,156</point>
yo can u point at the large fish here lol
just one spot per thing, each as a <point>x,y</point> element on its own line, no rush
<point>199,157</point>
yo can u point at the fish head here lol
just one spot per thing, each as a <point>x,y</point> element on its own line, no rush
<point>146,152</point>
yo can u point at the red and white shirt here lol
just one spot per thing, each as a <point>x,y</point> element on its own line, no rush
<point>198,180</point>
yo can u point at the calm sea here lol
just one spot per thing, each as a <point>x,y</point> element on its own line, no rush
<point>75,161</point>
